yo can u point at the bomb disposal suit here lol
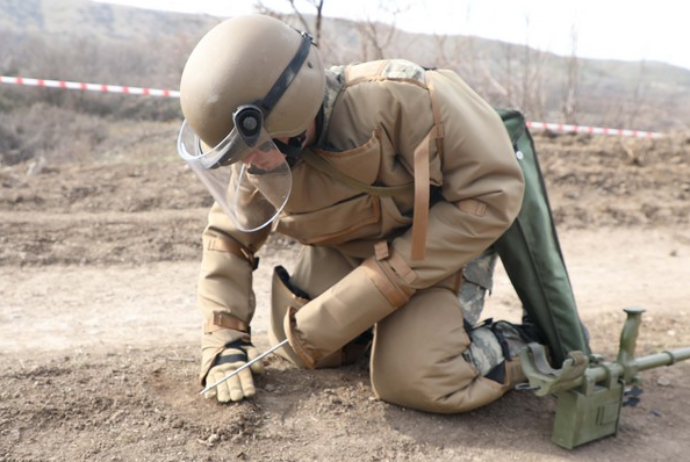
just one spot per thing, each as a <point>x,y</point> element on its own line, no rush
<point>408,178</point>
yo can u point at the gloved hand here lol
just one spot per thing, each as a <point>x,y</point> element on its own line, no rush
<point>241,386</point>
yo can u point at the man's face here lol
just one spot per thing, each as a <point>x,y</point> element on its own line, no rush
<point>266,157</point>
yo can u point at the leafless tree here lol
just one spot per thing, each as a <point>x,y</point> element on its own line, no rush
<point>375,38</point>
<point>570,106</point>
<point>313,29</point>
<point>457,51</point>
<point>636,103</point>
<point>522,76</point>
<point>532,88</point>
<point>509,75</point>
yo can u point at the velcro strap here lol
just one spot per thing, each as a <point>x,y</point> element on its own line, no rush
<point>220,244</point>
<point>381,250</point>
<point>472,206</point>
<point>239,357</point>
<point>383,276</point>
<point>401,267</point>
<point>398,263</point>
<point>222,320</point>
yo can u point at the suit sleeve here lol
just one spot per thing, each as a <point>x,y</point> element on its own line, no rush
<point>225,296</point>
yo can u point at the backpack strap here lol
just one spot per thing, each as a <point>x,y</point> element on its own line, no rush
<point>321,164</point>
<point>420,220</point>
<point>438,123</point>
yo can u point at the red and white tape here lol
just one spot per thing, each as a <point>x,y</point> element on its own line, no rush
<point>567,128</point>
<point>555,127</point>
<point>89,87</point>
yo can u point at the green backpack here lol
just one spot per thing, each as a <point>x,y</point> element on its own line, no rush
<point>532,257</point>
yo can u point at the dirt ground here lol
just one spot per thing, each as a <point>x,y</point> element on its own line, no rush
<point>99,330</point>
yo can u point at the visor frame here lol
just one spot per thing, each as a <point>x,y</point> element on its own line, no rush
<point>230,150</point>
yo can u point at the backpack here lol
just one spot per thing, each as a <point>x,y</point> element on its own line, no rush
<point>531,255</point>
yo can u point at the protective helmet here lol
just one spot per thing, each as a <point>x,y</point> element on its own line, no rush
<point>249,80</point>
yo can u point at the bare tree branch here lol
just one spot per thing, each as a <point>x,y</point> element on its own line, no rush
<point>571,94</point>
<point>302,19</point>
<point>380,36</point>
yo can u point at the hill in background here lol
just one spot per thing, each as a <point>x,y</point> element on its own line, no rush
<point>86,41</point>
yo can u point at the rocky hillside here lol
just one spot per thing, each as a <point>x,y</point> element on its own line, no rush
<point>89,41</point>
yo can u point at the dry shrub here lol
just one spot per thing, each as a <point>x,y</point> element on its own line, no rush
<point>49,134</point>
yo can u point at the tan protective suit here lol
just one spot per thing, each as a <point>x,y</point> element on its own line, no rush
<point>391,263</point>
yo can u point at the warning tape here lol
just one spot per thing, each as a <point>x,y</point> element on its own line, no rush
<point>564,128</point>
<point>89,87</point>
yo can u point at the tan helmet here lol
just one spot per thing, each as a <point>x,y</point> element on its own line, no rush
<point>242,61</point>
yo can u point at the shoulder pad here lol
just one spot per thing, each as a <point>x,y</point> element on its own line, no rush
<point>389,69</point>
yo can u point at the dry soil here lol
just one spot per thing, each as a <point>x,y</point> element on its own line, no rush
<point>99,331</point>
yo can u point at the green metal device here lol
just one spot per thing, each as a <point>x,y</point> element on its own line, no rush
<point>589,390</point>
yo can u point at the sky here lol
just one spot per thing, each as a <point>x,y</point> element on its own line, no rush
<point>629,30</point>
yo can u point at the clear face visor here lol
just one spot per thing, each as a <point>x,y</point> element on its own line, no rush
<point>245,173</point>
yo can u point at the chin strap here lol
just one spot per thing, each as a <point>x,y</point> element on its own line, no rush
<point>292,150</point>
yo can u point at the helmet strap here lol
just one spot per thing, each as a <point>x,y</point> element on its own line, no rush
<point>288,75</point>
